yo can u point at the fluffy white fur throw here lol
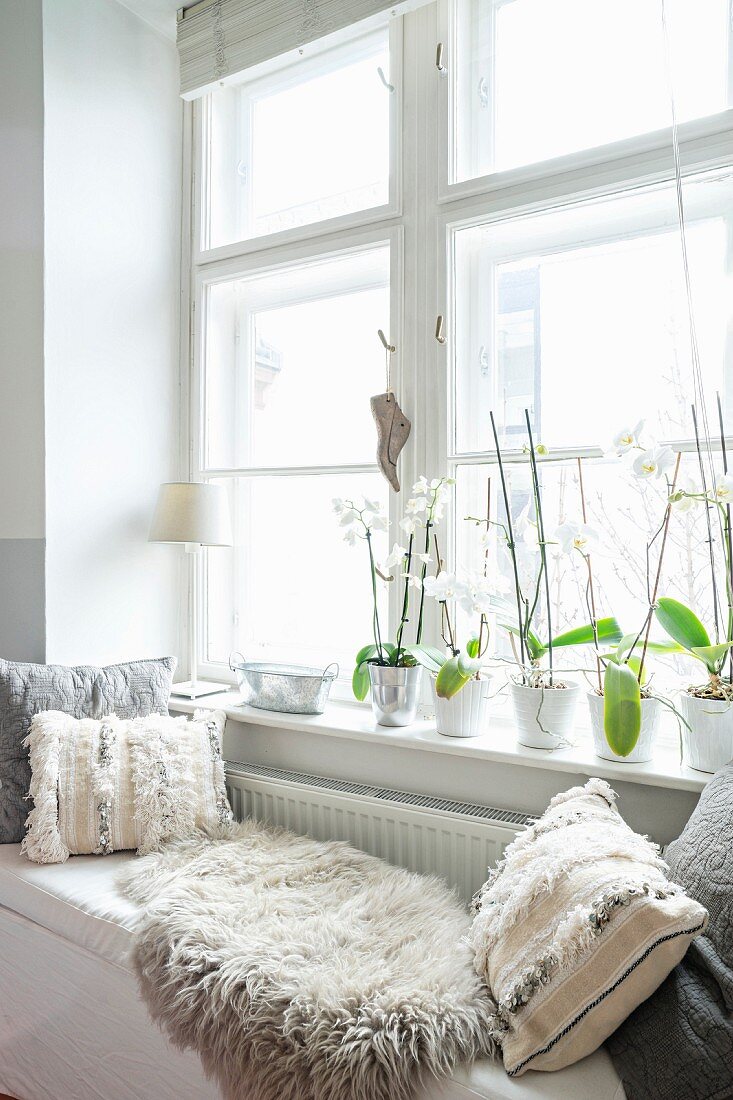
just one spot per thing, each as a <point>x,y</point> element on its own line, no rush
<point>305,971</point>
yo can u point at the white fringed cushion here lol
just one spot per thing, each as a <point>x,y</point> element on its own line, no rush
<point>575,927</point>
<point>104,786</point>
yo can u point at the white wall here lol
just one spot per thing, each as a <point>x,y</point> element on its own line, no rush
<point>112,249</point>
<point>22,628</point>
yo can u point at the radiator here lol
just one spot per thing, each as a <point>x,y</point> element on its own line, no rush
<point>456,840</point>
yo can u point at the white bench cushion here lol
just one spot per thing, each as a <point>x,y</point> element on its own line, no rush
<point>79,902</point>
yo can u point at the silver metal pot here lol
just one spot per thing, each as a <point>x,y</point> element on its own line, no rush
<point>395,694</point>
<point>290,689</point>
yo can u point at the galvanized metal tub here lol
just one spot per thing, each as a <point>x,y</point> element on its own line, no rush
<point>290,689</point>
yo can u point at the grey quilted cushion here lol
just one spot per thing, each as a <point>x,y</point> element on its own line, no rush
<point>679,1043</point>
<point>131,690</point>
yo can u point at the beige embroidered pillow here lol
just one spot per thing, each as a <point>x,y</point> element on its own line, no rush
<point>103,786</point>
<point>575,927</point>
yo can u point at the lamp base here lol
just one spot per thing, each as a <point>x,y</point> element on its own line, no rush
<point>195,689</point>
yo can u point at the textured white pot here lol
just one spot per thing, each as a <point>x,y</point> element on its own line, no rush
<point>466,714</point>
<point>708,744</point>
<point>644,747</point>
<point>544,717</point>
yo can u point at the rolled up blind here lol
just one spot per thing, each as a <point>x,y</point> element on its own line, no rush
<point>218,40</point>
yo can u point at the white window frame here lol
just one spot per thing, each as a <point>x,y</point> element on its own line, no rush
<point>425,210</point>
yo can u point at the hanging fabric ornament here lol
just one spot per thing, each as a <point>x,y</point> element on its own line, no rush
<point>393,427</point>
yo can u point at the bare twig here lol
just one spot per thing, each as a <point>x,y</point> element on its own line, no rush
<point>510,541</point>
<point>593,616</point>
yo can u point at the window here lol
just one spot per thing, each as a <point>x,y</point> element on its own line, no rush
<point>524,189</point>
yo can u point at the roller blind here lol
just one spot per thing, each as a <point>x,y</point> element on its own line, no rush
<point>219,40</point>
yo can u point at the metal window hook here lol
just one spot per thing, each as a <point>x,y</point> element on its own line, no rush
<point>439,59</point>
<point>439,329</point>
<point>383,78</point>
<point>389,348</point>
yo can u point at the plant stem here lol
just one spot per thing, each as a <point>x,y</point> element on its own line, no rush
<point>486,564</point>
<point>405,600</point>
<point>727,545</point>
<point>541,533</point>
<point>375,617</point>
<point>423,574</point>
<point>510,542</point>
<point>716,613</point>
<point>593,617</point>
<point>657,579</point>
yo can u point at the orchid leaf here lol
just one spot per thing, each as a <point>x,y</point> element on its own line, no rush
<point>451,679</point>
<point>629,640</point>
<point>365,654</point>
<point>621,708</point>
<point>360,681</point>
<point>681,624</point>
<point>473,646</point>
<point>428,656</point>
<point>608,631</point>
<point>712,656</point>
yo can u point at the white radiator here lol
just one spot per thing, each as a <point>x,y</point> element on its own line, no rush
<point>456,840</point>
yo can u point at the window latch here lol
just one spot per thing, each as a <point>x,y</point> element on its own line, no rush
<point>383,78</point>
<point>439,59</point>
<point>439,329</point>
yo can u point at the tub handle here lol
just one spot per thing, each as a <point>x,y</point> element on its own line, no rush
<point>334,664</point>
<point>236,653</point>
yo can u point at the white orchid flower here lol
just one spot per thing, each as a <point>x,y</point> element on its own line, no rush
<point>421,486</point>
<point>685,498</point>
<point>442,588</point>
<point>348,516</point>
<point>350,537</point>
<point>379,523</point>
<point>396,556</point>
<point>654,463</point>
<point>415,505</point>
<point>577,536</point>
<point>373,506</point>
<point>412,580</point>
<point>724,489</point>
<point>527,530</point>
<point>627,439</point>
<point>338,505</point>
<point>424,558</point>
<point>475,596</point>
<point>408,525</point>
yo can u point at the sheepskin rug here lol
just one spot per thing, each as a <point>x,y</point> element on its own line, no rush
<point>306,971</point>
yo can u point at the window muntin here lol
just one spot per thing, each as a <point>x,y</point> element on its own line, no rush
<point>553,310</point>
<point>302,145</point>
<point>292,359</point>
<point>537,80</point>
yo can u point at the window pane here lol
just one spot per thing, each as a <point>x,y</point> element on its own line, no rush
<point>291,589</point>
<point>580,316</point>
<point>626,513</point>
<point>292,359</point>
<point>301,145</point>
<point>536,80</point>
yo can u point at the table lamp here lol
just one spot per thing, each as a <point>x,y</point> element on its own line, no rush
<point>196,515</point>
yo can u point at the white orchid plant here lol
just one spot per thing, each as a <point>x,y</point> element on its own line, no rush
<point>520,617</point>
<point>423,513</point>
<point>689,635</point>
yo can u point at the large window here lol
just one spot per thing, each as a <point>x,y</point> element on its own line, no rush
<point>508,166</point>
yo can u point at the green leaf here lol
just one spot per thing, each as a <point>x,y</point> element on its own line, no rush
<point>365,653</point>
<point>472,647</point>
<point>621,708</point>
<point>427,656</point>
<point>681,624</point>
<point>712,656</point>
<point>450,679</point>
<point>628,640</point>
<point>608,631</point>
<point>360,680</point>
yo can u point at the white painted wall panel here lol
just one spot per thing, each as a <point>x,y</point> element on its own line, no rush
<point>112,244</point>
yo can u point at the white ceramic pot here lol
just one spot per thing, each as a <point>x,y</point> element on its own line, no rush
<point>466,714</point>
<point>708,744</point>
<point>544,716</point>
<point>644,747</point>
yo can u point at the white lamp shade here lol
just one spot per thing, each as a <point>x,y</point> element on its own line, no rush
<point>193,513</point>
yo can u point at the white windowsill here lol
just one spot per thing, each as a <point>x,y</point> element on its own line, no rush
<point>355,723</point>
